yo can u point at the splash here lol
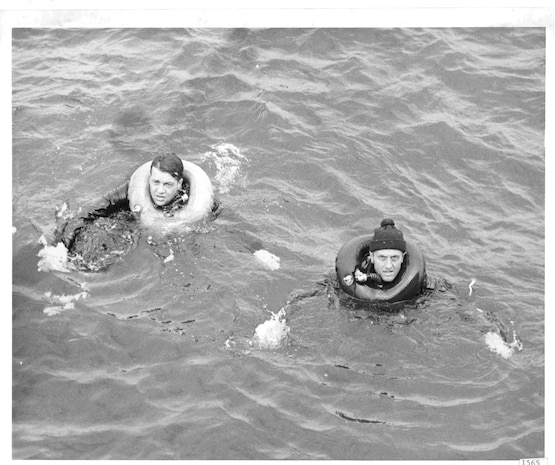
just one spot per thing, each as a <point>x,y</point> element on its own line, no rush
<point>65,302</point>
<point>228,160</point>
<point>269,260</point>
<point>470,286</point>
<point>497,344</point>
<point>53,258</point>
<point>272,333</point>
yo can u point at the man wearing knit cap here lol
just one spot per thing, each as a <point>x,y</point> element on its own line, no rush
<point>385,259</point>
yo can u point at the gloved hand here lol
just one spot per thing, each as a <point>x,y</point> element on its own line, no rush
<point>360,276</point>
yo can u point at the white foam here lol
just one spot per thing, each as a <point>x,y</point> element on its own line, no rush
<point>63,212</point>
<point>170,257</point>
<point>268,259</point>
<point>65,302</point>
<point>51,311</point>
<point>272,333</point>
<point>496,344</point>
<point>228,160</point>
<point>53,258</point>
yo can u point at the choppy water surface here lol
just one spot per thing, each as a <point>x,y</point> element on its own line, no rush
<point>311,137</point>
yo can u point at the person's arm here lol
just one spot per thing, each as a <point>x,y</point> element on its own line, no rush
<point>113,201</point>
<point>361,271</point>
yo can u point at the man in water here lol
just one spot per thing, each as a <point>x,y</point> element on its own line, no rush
<point>166,181</point>
<point>385,258</point>
<point>168,191</point>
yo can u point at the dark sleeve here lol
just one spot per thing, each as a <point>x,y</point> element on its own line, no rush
<point>113,201</point>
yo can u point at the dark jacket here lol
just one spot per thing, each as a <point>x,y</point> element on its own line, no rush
<point>114,201</point>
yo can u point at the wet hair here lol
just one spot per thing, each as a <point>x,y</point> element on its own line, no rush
<point>169,163</point>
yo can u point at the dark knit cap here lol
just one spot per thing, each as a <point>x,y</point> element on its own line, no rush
<point>388,237</point>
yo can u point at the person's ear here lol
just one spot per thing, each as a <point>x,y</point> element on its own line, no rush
<point>180,183</point>
<point>371,256</point>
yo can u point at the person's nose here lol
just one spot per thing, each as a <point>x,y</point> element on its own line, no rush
<point>388,264</point>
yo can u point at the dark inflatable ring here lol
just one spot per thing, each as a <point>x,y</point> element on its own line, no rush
<point>410,284</point>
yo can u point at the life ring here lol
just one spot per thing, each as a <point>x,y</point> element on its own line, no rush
<point>409,284</point>
<point>201,199</point>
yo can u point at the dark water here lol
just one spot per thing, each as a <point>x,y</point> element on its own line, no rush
<point>311,137</point>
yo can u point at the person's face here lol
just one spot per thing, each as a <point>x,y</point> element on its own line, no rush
<point>163,186</point>
<point>387,263</point>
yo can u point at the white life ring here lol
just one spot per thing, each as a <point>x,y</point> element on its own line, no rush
<point>201,199</point>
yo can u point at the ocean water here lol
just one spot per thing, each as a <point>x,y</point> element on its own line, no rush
<point>311,136</point>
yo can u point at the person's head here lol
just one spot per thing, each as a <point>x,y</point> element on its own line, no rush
<point>166,178</point>
<point>387,250</point>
